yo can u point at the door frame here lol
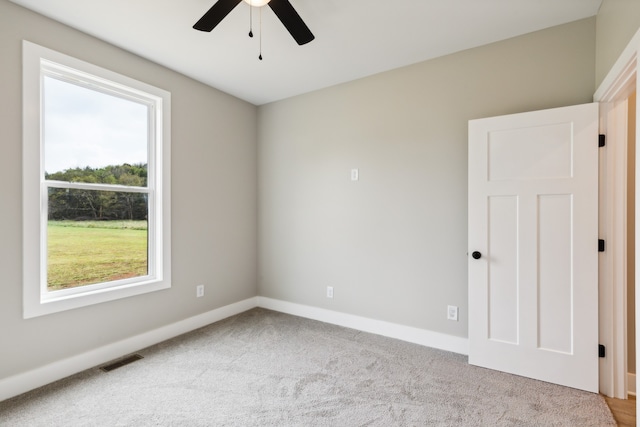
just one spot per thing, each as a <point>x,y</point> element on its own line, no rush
<point>612,95</point>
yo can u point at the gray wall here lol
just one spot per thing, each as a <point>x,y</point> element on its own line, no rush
<point>393,245</point>
<point>214,208</point>
<point>617,22</point>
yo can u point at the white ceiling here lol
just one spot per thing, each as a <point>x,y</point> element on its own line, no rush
<point>354,38</point>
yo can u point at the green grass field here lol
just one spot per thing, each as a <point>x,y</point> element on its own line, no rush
<point>88,252</point>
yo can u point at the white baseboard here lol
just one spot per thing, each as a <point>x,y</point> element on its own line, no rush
<point>21,383</point>
<point>379,327</point>
<point>631,384</point>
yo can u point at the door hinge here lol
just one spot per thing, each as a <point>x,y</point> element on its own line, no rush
<point>601,350</point>
<point>602,140</point>
<point>600,245</point>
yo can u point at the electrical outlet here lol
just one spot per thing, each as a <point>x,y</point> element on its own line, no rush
<point>199,291</point>
<point>329,291</point>
<point>452,312</point>
<point>355,174</point>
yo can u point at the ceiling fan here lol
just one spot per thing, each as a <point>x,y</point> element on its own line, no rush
<point>282,8</point>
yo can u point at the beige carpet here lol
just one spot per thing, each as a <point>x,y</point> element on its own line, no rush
<point>263,368</point>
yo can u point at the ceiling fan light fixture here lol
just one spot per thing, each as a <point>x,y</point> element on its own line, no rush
<point>283,10</point>
<point>257,3</point>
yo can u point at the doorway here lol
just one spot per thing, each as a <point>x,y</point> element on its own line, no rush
<point>631,243</point>
<point>617,227</point>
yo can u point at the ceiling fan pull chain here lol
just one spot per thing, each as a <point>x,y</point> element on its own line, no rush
<point>250,21</point>
<point>260,56</point>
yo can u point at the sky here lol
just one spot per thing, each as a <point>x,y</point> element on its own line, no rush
<point>84,127</point>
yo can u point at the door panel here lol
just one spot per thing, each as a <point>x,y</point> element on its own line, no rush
<point>503,273</point>
<point>554,278</point>
<point>537,152</point>
<point>533,214</point>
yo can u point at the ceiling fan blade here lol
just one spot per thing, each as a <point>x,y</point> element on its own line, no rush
<point>216,14</point>
<point>292,21</point>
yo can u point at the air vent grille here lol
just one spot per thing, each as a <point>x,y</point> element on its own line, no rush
<point>120,363</point>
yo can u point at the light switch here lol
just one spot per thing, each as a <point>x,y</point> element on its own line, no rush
<point>355,174</point>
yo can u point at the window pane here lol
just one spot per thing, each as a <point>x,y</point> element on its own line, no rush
<point>85,128</point>
<point>95,237</point>
<point>129,175</point>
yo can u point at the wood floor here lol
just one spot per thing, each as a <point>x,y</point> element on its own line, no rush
<point>624,411</point>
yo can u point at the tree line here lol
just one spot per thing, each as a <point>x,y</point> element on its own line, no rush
<point>74,204</point>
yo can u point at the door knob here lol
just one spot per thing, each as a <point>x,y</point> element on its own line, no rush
<point>476,255</point>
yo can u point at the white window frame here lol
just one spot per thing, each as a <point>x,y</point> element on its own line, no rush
<point>39,61</point>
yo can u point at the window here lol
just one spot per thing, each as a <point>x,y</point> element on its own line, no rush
<point>96,184</point>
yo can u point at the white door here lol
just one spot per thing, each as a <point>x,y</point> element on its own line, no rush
<point>533,222</point>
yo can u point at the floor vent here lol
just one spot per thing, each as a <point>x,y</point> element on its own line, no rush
<point>120,363</point>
